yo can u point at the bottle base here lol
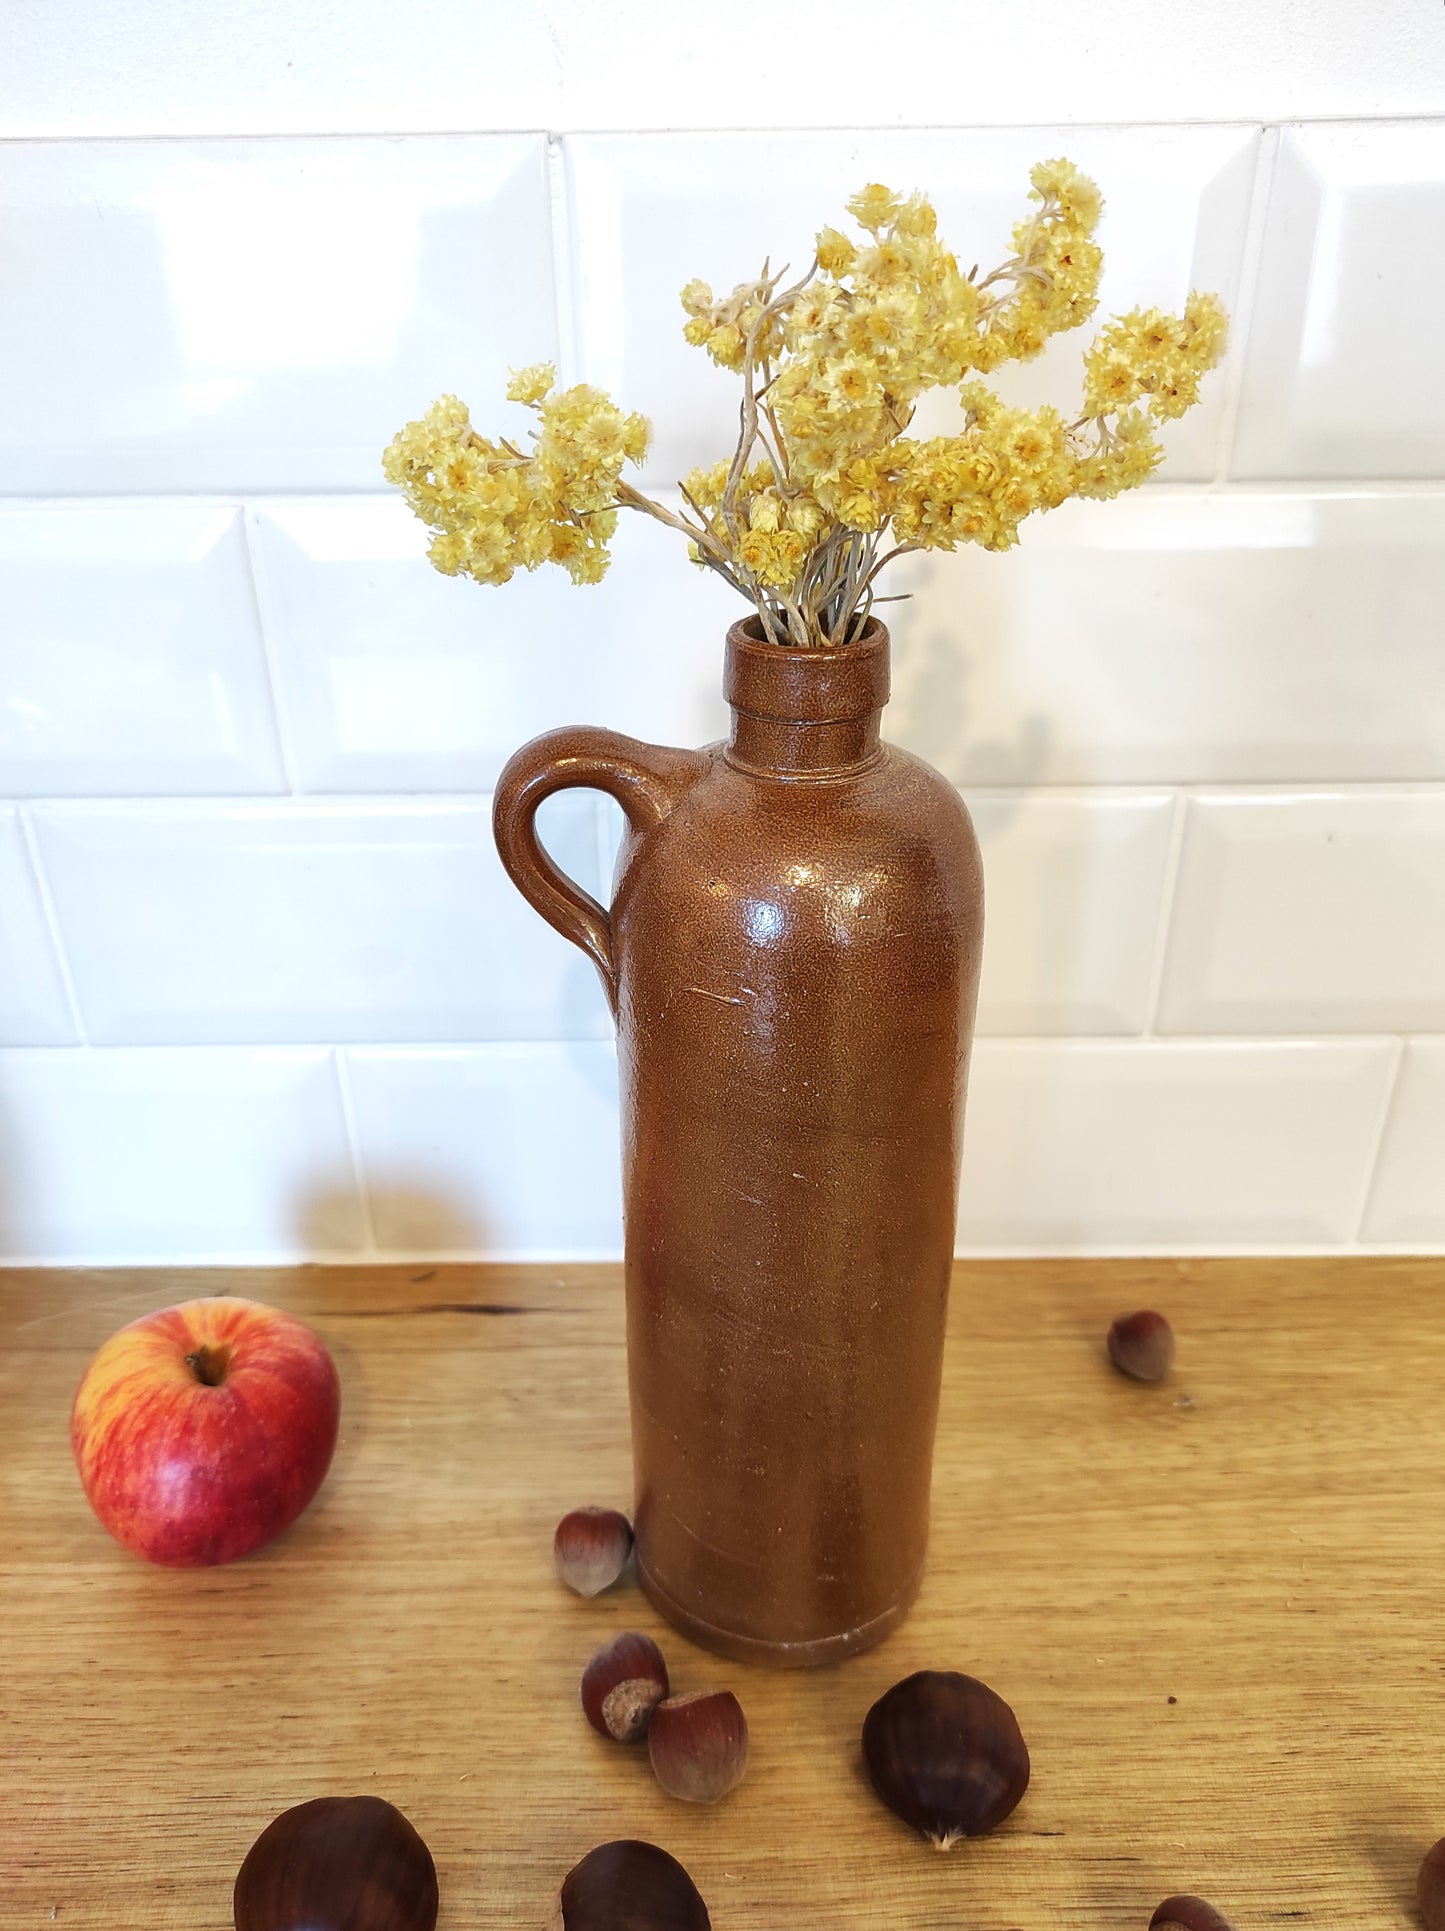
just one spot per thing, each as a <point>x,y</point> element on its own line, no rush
<point>807,1654</point>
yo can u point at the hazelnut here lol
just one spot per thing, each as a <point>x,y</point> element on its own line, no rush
<point>1188,1914</point>
<point>1142,1345</point>
<point>335,1863</point>
<point>592,1547</point>
<point>1430,1890</point>
<point>622,1686</point>
<point>629,1886</point>
<point>698,1745</point>
<point>945,1754</point>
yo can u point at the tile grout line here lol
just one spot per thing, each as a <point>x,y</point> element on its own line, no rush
<point>346,800</point>
<point>673,131</point>
<point>1329,487</point>
<point>988,1041</point>
<point>1081,791</point>
<point>53,929</point>
<point>1168,893</point>
<point>1250,274</point>
<point>566,307</point>
<point>281,721</point>
<point>974,1252</point>
<point>422,1047</point>
<point>1384,1113</point>
<point>341,1072</point>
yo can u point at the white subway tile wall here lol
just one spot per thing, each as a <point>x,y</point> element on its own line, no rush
<point>130,653</point>
<point>1323,910</point>
<point>1142,1144</point>
<point>1408,1201</point>
<point>257,315</point>
<point>392,677</point>
<point>1184,637</point>
<point>33,1007</point>
<point>174,1153</point>
<point>294,922</point>
<point>265,991</point>
<point>650,212</point>
<point>1345,367</point>
<point>1075,893</point>
<point>505,1150</point>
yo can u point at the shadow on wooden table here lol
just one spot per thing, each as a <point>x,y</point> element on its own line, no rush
<point>1395,1851</point>
<point>413,1224</point>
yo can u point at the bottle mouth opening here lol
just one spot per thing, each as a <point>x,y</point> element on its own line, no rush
<point>801,686</point>
<point>751,630</point>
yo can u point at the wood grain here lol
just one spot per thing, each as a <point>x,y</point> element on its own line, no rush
<point>1214,1605</point>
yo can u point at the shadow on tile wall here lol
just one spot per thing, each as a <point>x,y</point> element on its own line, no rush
<point>929,712</point>
<point>410,1215</point>
<point>582,1004</point>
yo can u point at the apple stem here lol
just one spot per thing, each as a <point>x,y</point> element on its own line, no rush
<point>208,1365</point>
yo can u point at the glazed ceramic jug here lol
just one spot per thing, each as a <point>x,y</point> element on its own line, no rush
<point>792,955</point>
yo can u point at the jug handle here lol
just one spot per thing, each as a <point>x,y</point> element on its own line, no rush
<point>646,780</point>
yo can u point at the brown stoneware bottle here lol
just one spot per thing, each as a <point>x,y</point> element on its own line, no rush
<point>792,955</point>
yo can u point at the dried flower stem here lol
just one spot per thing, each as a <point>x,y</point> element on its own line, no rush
<point>768,310</point>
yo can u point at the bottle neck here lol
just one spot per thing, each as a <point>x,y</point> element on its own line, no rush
<point>805,713</point>
<point>791,747</point>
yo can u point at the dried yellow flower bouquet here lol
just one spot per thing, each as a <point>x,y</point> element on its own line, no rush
<point>825,486</point>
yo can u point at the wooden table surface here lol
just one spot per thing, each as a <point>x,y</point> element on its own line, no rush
<point>1217,1606</point>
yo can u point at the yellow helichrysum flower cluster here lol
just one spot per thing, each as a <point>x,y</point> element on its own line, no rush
<point>495,507</point>
<point>1149,353</point>
<point>824,473</point>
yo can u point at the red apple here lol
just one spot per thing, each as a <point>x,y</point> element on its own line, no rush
<point>203,1431</point>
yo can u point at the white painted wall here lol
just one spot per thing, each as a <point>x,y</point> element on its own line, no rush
<point>263,988</point>
<point>371,66</point>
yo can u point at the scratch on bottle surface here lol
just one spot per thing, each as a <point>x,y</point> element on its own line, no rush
<point>735,1557</point>
<point>726,998</point>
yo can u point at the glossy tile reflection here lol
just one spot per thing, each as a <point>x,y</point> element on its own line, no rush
<point>131,659</point>
<point>1175,637</point>
<point>259,314</point>
<point>1345,373</point>
<point>1324,911</point>
<point>33,1007</point>
<point>292,922</point>
<point>1408,1199</point>
<point>395,678</point>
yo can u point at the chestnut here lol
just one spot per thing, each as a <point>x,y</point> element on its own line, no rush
<point>622,1685</point>
<point>1142,1345</point>
<point>1430,1888</point>
<point>698,1745</point>
<point>1185,1913</point>
<point>629,1886</point>
<point>337,1864</point>
<point>591,1548</point>
<point>945,1754</point>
